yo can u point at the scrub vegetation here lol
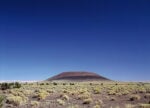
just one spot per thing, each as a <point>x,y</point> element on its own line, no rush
<point>69,94</point>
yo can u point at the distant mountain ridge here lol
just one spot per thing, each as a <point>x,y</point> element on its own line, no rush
<point>77,75</point>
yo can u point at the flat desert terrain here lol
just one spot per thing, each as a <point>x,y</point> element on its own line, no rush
<point>75,94</point>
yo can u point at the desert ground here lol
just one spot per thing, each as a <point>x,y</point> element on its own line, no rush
<point>73,94</point>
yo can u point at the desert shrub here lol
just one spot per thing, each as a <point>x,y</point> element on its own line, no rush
<point>1,101</point>
<point>47,83</point>
<point>73,93</point>
<point>125,92</point>
<point>17,85</point>
<point>12,84</point>
<point>5,86</point>
<point>91,83</point>
<point>50,91</point>
<point>54,83</point>
<point>34,104</point>
<point>16,100</point>
<point>83,96</point>
<point>65,97</point>
<point>28,92</point>
<point>40,94</point>
<point>97,90</point>
<point>134,97</point>
<point>87,101</point>
<point>112,98</point>
<point>13,92</point>
<point>42,84</point>
<point>99,102</point>
<point>147,88</point>
<point>37,90</point>
<point>65,91</point>
<point>83,91</point>
<point>111,92</point>
<point>142,90</point>
<point>118,90</point>
<point>97,106</point>
<point>16,92</point>
<point>72,83</point>
<point>139,89</point>
<point>30,83</point>
<point>64,83</point>
<point>60,102</point>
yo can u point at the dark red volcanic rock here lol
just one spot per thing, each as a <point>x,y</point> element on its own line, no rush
<point>77,76</point>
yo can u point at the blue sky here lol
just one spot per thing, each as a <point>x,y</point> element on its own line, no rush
<point>41,38</point>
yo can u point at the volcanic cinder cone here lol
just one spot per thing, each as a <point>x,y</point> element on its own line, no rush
<point>78,76</point>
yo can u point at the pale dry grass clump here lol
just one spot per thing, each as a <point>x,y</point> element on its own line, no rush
<point>61,102</point>
<point>84,96</point>
<point>87,101</point>
<point>16,100</point>
<point>40,94</point>
<point>97,106</point>
<point>34,104</point>
<point>65,97</point>
<point>97,90</point>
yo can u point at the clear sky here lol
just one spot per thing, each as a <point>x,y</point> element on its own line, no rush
<point>41,38</point>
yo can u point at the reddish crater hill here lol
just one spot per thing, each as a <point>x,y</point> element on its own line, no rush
<point>78,76</point>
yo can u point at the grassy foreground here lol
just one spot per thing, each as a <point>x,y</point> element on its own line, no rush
<point>65,94</point>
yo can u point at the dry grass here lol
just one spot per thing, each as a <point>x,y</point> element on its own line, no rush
<point>65,94</point>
